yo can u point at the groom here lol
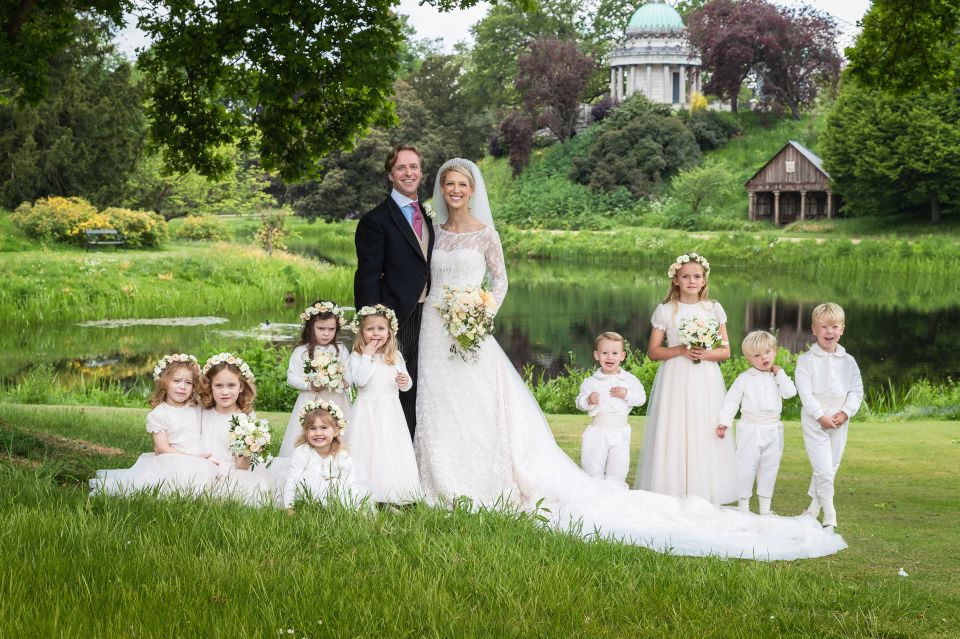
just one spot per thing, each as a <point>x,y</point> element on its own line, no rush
<point>394,243</point>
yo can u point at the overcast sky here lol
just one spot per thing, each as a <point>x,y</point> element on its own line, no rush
<point>454,26</point>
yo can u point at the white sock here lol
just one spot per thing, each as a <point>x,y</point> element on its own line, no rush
<point>744,505</point>
<point>764,505</point>
<point>814,507</point>
<point>829,514</point>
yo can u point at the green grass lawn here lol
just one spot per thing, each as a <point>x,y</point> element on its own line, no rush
<point>75,566</point>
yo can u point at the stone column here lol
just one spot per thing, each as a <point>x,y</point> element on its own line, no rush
<point>803,205</point>
<point>667,85</point>
<point>776,208</point>
<point>683,85</point>
<point>613,83</point>
<point>631,77</point>
<point>649,83</point>
<point>829,205</point>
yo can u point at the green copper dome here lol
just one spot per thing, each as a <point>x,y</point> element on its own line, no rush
<point>656,17</point>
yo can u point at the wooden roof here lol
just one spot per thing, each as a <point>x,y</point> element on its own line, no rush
<point>806,172</point>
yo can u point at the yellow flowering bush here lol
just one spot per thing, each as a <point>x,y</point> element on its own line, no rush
<point>141,229</point>
<point>203,227</point>
<point>67,219</point>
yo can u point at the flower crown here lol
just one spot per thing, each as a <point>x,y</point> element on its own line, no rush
<point>378,309</point>
<point>322,404</point>
<point>169,359</point>
<point>230,358</point>
<point>689,257</point>
<point>324,307</point>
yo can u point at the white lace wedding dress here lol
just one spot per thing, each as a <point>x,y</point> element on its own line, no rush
<point>480,434</point>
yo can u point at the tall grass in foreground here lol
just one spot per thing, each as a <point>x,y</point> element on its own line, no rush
<point>159,568</point>
<point>201,280</point>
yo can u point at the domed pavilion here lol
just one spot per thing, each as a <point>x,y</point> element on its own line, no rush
<point>655,58</point>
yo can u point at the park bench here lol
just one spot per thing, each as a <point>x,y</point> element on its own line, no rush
<point>104,237</point>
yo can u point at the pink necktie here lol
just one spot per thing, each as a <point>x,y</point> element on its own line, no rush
<point>417,219</point>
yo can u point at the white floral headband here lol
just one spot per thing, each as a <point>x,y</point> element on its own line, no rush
<point>378,309</point>
<point>322,404</point>
<point>324,307</point>
<point>689,257</point>
<point>230,358</point>
<point>166,360</point>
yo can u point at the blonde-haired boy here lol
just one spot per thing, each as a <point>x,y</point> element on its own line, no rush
<point>831,390</point>
<point>608,397</point>
<point>758,393</point>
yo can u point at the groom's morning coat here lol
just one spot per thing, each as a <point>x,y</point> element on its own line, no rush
<point>391,267</point>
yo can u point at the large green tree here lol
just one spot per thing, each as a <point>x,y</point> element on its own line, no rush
<point>295,80</point>
<point>908,45</point>
<point>894,154</point>
<point>85,139</point>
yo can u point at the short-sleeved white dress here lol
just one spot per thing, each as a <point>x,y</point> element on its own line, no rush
<point>254,486</point>
<point>183,472</point>
<point>682,454</point>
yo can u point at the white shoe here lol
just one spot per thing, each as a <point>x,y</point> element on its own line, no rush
<point>830,520</point>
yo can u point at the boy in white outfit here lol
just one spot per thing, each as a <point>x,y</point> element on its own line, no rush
<point>831,390</point>
<point>608,396</point>
<point>758,393</point>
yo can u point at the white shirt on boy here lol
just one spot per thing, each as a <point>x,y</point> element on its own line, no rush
<point>836,374</point>
<point>759,395</point>
<point>601,383</point>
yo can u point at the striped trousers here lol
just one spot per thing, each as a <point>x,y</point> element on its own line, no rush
<point>408,338</point>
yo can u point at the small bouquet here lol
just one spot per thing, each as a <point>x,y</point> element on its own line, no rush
<point>467,316</point>
<point>324,371</point>
<point>700,333</point>
<point>250,437</point>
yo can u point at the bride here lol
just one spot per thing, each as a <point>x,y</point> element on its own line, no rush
<point>481,435</point>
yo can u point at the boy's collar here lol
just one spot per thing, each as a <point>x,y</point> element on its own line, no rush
<point>599,374</point>
<point>816,350</point>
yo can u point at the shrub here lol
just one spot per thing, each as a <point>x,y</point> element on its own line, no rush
<point>58,219</point>
<point>141,229</point>
<point>711,129</point>
<point>603,108</point>
<point>203,227</point>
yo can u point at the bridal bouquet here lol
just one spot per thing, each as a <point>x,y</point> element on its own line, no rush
<point>700,333</point>
<point>467,316</point>
<point>250,437</point>
<point>324,371</point>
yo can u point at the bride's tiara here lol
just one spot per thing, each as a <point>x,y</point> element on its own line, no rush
<point>459,163</point>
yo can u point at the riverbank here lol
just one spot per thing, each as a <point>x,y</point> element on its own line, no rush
<point>111,567</point>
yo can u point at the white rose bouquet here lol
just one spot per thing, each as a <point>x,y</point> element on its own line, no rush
<point>467,315</point>
<point>250,437</point>
<point>324,371</point>
<point>700,333</point>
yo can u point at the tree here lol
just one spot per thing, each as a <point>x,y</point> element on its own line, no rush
<point>792,52</point>
<point>516,131</point>
<point>799,57</point>
<point>551,77</point>
<point>295,80</point>
<point>890,154</point>
<point>908,45</point>
<point>86,138</point>
<point>729,37</point>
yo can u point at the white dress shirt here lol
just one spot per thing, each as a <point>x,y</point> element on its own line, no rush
<point>836,374</point>
<point>758,395</point>
<point>601,383</point>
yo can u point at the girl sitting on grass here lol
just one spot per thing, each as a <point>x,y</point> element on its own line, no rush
<point>321,468</point>
<point>180,462</point>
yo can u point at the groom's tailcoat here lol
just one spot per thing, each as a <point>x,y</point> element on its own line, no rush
<point>391,267</point>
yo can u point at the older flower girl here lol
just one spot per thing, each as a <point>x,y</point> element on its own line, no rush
<point>322,322</point>
<point>682,454</point>
<point>180,462</point>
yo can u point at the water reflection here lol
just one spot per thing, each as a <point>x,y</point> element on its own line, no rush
<point>550,317</point>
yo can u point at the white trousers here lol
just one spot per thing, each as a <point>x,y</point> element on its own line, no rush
<point>605,451</point>
<point>825,449</point>
<point>759,449</point>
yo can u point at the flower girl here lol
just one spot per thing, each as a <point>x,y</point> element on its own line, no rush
<point>321,467</point>
<point>180,463</point>
<point>379,439</point>
<point>228,388</point>
<point>322,322</point>
<point>682,454</point>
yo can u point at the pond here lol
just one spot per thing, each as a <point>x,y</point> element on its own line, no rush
<point>552,313</point>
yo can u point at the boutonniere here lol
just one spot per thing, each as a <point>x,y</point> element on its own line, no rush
<point>428,210</point>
